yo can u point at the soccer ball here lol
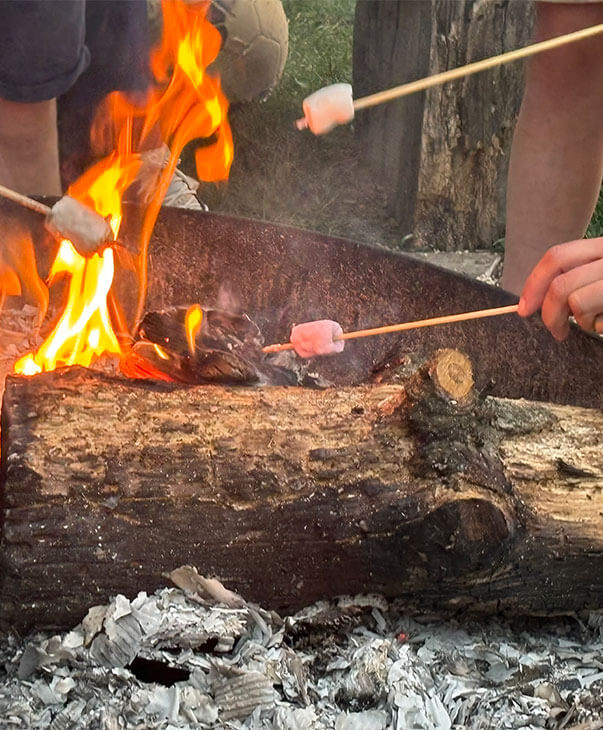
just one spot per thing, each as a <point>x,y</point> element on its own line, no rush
<point>255,39</point>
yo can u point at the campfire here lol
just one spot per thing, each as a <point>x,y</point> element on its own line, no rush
<point>404,471</point>
<point>185,103</point>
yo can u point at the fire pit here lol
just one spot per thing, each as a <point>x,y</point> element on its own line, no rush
<point>110,482</point>
<point>283,275</point>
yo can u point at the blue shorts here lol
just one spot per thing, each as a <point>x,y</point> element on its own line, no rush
<point>77,51</point>
<point>47,45</point>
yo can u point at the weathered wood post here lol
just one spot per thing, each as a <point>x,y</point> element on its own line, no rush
<point>442,155</point>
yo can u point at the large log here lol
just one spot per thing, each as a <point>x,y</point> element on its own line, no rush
<point>417,488</point>
<point>441,156</point>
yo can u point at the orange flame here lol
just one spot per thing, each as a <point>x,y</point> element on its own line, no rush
<point>184,103</point>
<point>18,270</point>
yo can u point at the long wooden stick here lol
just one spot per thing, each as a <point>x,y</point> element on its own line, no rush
<point>24,200</point>
<point>397,92</point>
<point>445,319</point>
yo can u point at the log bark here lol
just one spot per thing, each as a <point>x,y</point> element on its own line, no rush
<point>289,495</point>
<point>442,156</point>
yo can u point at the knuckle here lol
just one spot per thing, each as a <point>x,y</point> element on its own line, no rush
<point>554,255</point>
<point>577,305</point>
<point>558,289</point>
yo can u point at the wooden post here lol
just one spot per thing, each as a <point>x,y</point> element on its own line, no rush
<point>441,156</point>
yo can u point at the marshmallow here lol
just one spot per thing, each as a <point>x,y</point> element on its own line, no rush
<point>317,338</point>
<point>328,107</point>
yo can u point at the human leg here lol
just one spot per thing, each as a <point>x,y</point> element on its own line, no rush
<point>29,151</point>
<point>556,161</point>
<point>42,52</point>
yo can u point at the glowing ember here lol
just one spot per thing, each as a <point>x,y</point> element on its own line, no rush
<point>184,103</point>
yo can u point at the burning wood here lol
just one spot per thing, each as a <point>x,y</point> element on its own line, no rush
<point>197,345</point>
<point>184,103</point>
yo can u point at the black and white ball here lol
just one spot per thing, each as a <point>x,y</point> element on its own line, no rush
<point>255,37</point>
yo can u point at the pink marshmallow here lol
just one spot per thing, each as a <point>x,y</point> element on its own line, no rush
<point>328,107</point>
<point>317,338</point>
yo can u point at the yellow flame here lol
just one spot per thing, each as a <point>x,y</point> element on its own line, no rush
<point>84,329</point>
<point>161,352</point>
<point>192,324</point>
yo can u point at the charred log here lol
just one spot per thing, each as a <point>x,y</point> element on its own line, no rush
<point>418,488</point>
<point>217,347</point>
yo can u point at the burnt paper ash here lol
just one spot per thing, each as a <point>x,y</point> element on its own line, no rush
<point>350,664</point>
<point>225,349</point>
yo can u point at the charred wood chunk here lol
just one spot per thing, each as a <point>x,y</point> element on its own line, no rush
<point>198,345</point>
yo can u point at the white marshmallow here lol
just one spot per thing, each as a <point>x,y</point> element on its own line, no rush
<point>328,107</point>
<point>317,338</point>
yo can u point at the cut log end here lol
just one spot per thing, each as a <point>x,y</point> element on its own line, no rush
<point>452,374</point>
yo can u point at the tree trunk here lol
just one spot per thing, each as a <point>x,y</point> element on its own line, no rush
<point>418,488</point>
<point>442,156</point>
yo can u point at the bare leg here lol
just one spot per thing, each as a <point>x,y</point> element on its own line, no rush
<point>557,153</point>
<point>29,152</point>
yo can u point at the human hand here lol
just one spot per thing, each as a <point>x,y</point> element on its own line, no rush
<point>317,338</point>
<point>568,280</point>
<point>328,107</point>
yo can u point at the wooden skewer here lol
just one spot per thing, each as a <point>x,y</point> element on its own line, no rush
<point>456,73</point>
<point>445,319</point>
<point>24,200</point>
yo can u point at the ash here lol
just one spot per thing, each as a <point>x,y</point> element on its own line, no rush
<point>177,660</point>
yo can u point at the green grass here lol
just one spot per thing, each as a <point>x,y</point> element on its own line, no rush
<point>320,45</point>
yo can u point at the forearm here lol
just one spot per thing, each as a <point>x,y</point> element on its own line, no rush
<point>557,154</point>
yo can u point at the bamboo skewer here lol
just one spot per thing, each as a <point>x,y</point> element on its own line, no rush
<point>412,87</point>
<point>24,200</point>
<point>432,321</point>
